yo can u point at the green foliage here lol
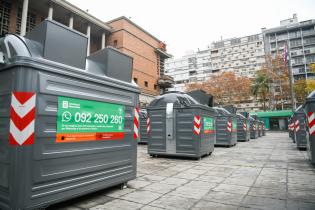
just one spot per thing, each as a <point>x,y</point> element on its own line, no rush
<point>260,86</point>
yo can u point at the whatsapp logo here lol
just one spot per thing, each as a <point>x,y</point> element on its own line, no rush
<point>66,116</point>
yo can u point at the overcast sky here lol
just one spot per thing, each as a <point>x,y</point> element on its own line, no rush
<point>191,24</point>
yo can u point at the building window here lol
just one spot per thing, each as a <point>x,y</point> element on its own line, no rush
<point>146,84</point>
<point>115,43</point>
<point>30,23</point>
<point>136,80</point>
<point>5,10</point>
<point>155,86</point>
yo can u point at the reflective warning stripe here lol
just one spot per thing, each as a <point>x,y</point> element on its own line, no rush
<point>136,123</point>
<point>297,125</point>
<point>311,122</point>
<point>229,126</point>
<point>244,126</point>
<point>22,118</point>
<point>197,123</point>
<point>148,125</point>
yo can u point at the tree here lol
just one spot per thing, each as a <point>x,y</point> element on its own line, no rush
<point>300,90</point>
<point>226,88</point>
<point>310,85</point>
<point>278,74</point>
<point>260,87</point>
<point>303,87</point>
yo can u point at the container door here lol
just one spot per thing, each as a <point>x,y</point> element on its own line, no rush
<point>170,128</point>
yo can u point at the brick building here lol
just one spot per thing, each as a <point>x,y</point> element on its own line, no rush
<point>148,54</point>
<point>20,16</point>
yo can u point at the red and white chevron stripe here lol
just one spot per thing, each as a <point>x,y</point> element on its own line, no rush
<point>148,125</point>
<point>229,126</point>
<point>244,126</point>
<point>197,125</point>
<point>311,122</point>
<point>297,125</point>
<point>291,126</point>
<point>22,118</point>
<point>136,123</point>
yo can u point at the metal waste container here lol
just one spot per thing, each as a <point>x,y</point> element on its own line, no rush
<point>263,128</point>
<point>65,129</point>
<point>144,127</point>
<point>226,128</point>
<point>243,128</point>
<point>309,108</point>
<point>259,128</point>
<point>253,128</point>
<point>180,126</point>
<point>290,127</point>
<point>293,128</point>
<point>300,127</point>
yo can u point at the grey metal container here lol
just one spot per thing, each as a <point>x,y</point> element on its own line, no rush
<point>226,128</point>
<point>309,108</point>
<point>143,127</point>
<point>253,128</point>
<point>243,128</point>
<point>290,130</point>
<point>293,119</point>
<point>180,126</point>
<point>263,128</point>
<point>300,127</point>
<point>44,169</point>
<point>259,128</point>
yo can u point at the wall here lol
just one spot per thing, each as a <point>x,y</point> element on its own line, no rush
<point>133,41</point>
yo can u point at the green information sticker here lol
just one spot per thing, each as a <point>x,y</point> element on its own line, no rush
<point>234,125</point>
<point>85,120</point>
<point>208,125</point>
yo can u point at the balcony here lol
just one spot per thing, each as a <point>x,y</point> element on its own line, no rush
<point>308,33</point>
<point>165,81</point>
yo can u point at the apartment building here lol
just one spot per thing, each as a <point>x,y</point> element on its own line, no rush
<point>193,67</point>
<point>299,37</point>
<point>243,55</point>
<point>149,53</point>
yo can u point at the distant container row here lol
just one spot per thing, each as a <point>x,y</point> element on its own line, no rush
<point>177,124</point>
<point>302,127</point>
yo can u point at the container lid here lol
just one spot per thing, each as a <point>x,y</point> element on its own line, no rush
<point>310,97</point>
<point>240,116</point>
<point>177,98</point>
<point>299,109</point>
<point>222,111</point>
<point>143,113</point>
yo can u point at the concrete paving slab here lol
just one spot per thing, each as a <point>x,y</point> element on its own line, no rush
<point>118,204</point>
<point>141,196</point>
<point>174,202</point>
<point>264,203</point>
<point>232,189</point>
<point>206,205</point>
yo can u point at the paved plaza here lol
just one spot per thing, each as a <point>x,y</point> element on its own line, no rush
<point>265,173</point>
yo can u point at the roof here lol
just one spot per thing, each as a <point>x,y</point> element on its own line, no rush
<point>85,15</point>
<point>290,27</point>
<point>139,27</point>
<point>278,113</point>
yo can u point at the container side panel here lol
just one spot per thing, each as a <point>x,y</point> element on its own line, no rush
<point>223,136</point>
<point>5,162</point>
<point>157,137</point>
<point>186,141</point>
<point>143,130</point>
